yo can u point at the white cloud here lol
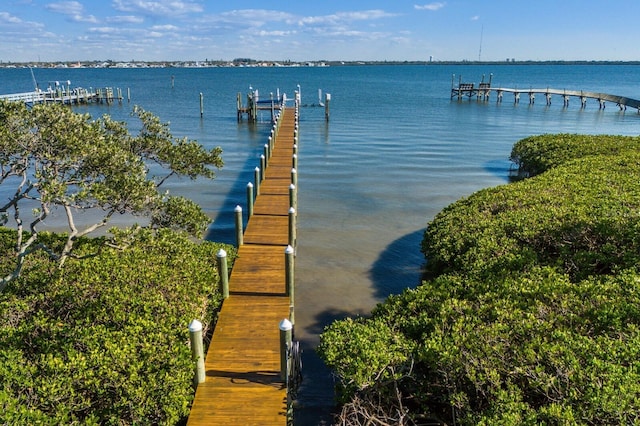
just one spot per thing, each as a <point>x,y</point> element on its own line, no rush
<point>167,8</point>
<point>252,17</point>
<point>7,18</point>
<point>431,6</point>
<point>475,18</point>
<point>164,28</point>
<point>275,33</point>
<point>73,9</point>
<point>364,15</point>
<point>66,7</point>
<point>126,19</point>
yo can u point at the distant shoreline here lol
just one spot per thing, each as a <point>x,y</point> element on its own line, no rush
<point>244,63</point>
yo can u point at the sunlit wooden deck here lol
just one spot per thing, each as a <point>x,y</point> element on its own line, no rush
<point>243,384</point>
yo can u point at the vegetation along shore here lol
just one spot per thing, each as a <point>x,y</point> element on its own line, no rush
<point>530,313</point>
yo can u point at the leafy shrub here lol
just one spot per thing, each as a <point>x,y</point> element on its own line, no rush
<point>583,218</point>
<point>536,154</point>
<point>530,348</point>
<point>531,314</point>
<point>523,349</point>
<point>364,364</point>
<point>105,340</point>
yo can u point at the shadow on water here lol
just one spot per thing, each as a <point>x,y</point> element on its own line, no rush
<point>315,405</point>
<point>398,267</point>
<point>222,229</point>
<point>500,168</point>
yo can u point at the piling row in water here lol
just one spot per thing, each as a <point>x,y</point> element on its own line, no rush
<point>483,90</point>
<point>69,96</point>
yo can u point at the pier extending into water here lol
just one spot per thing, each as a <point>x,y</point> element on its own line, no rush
<point>255,104</point>
<point>482,92</point>
<point>252,364</point>
<point>69,96</point>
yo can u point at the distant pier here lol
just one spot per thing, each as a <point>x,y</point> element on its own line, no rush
<point>483,90</point>
<point>275,103</point>
<point>69,96</point>
<point>255,104</point>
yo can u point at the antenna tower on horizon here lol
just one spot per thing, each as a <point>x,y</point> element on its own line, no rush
<point>480,51</point>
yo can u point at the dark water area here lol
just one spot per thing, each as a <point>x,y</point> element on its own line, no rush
<point>396,151</point>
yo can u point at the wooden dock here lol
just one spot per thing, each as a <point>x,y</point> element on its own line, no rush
<point>68,96</point>
<point>243,384</point>
<point>255,104</point>
<point>482,91</point>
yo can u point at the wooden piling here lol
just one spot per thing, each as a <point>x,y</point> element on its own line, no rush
<point>250,199</point>
<point>327,100</point>
<point>223,272</point>
<point>239,226</point>
<point>285,343</point>
<point>197,352</point>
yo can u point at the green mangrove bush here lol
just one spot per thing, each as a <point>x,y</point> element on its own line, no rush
<point>531,313</point>
<point>104,340</point>
<point>536,154</point>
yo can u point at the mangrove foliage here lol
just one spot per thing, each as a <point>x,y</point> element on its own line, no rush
<point>531,312</point>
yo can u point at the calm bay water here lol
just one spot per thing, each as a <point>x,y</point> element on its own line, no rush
<point>396,151</point>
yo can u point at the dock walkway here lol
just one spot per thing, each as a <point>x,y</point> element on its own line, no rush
<point>483,90</point>
<point>67,96</point>
<point>243,385</point>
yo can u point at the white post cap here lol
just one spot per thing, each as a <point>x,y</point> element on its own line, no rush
<point>195,326</point>
<point>285,325</point>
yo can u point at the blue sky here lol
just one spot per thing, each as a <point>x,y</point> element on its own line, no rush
<point>124,30</point>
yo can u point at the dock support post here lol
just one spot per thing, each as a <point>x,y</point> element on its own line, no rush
<point>285,343</point>
<point>254,110</point>
<point>289,255</point>
<point>223,271</point>
<point>294,161</point>
<point>249,199</point>
<point>256,178</point>
<point>273,110</point>
<point>239,227</point>
<point>327,100</point>
<point>201,105</point>
<point>294,177</point>
<point>292,227</point>
<point>263,166</point>
<point>293,196</point>
<point>197,351</point>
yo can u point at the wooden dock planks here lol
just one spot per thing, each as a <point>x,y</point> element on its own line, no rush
<point>243,385</point>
